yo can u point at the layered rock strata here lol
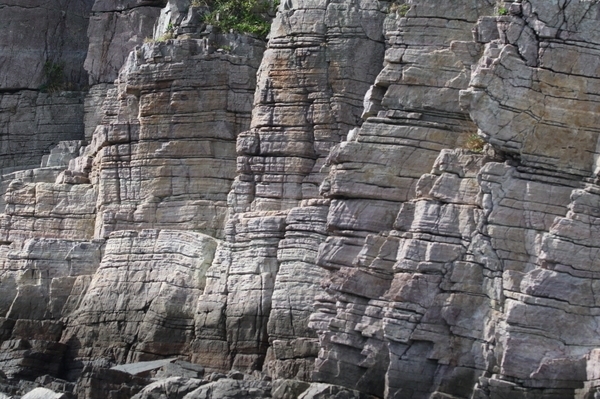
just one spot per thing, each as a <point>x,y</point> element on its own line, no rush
<point>115,28</point>
<point>318,65</point>
<point>249,210</point>
<point>41,78</point>
<point>557,182</point>
<point>129,175</point>
<point>140,302</point>
<point>402,217</point>
<point>164,156</point>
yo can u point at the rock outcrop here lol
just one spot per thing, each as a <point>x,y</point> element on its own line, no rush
<point>381,200</point>
<point>42,50</point>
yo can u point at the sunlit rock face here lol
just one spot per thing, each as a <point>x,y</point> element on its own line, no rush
<point>320,60</point>
<point>140,302</point>
<point>532,96</point>
<point>379,201</point>
<point>164,156</point>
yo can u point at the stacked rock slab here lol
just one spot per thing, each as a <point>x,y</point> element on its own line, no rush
<point>402,218</point>
<point>41,284</point>
<point>163,159</point>
<point>115,28</point>
<point>320,60</point>
<point>158,124</point>
<point>140,302</point>
<point>541,208</point>
<point>477,289</point>
<point>164,156</point>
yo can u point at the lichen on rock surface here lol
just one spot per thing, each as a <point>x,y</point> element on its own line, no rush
<point>377,200</point>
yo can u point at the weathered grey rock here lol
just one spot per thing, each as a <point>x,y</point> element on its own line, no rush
<point>142,367</point>
<point>57,385</point>
<point>140,302</point>
<point>43,393</point>
<point>322,391</point>
<point>169,388</point>
<point>100,382</point>
<point>566,116</point>
<point>294,346</point>
<point>375,256</point>
<point>200,147</point>
<point>180,368</point>
<point>43,43</point>
<point>61,154</point>
<point>301,110</point>
<point>31,123</point>
<point>57,211</point>
<point>43,280</point>
<point>232,389</point>
<point>288,389</point>
<point>116,27</point>
<point>403,214</point>
<point>41,283</point>
<point>42,49</point>
<point>28,359</point>
<point>93,108</point>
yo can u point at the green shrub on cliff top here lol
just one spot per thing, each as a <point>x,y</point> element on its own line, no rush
<point>245,16</point>
<point>400,9</point>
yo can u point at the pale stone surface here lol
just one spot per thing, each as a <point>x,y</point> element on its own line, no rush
<point>232,389</point>
<point>140,302</point>
<point>294,346</point>
<point>44,393</point>
<point>403,214</point>
<point>169,388</point>
<point>526,70</point>
<point>165,155</point>
<point>142,367</point>
<point>319,62</point>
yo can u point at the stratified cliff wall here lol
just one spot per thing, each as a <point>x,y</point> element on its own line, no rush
<point>318,64</point>
<point>381,200</point>
<point>42,50</point>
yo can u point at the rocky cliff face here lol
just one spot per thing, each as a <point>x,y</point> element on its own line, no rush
<point>393,200</point>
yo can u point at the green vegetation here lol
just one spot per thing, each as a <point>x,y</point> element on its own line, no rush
<point>474,143</point>
<point>502,11</point>
<point>401,9</point>
<point>245,16</point>
<point>54,76</point>
<point>169,34</point>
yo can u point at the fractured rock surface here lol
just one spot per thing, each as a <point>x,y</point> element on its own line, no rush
<point>384,201</point>
<point>42,50</point>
